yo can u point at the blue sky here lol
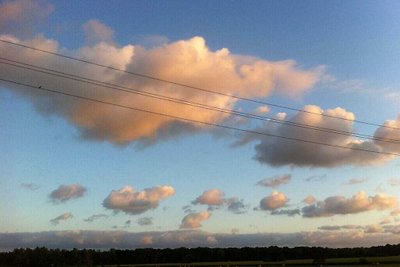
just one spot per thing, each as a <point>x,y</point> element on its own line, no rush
<point>66,160</point>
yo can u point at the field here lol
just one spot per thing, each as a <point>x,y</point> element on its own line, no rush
<point>393,261</point>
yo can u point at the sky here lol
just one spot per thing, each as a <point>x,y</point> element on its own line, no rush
<point>94,156</point>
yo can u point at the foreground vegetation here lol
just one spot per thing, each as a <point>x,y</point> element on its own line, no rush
<point>388,256</point>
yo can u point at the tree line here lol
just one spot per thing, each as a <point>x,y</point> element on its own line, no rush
<point>42,256</point>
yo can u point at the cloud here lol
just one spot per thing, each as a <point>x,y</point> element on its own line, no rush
<point>236,205</point>
<point>66,192</point>
<point>21,16</point>
<point>62,217</point>
<point>193,238</point>
<point>212,197</point>
<point>340,205</point>
<point>276,151</point>
<point>130,201</point>
<point>356,181</point>
<point>316,178</point>
<point>96,217</point>
<point>275,181</point>
<point>97,32</point>
<point>145,221</point>
<point>30,186</point>
<point>309,200</point>
<point>262,110</point>
<point>193,220</point>
<point>188,61</point>
<point>288,212</point>
<point>275,201</point>
<point>394,182</point>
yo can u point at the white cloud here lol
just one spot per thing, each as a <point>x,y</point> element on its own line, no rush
<point>66,192</point>
<point>275,201</point>
<point>340,205</point>
<point>275,181</point>
<point>194,220</point>
<point>130,201</point>
<point>62,217</point>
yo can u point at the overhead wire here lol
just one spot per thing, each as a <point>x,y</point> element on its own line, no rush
<point>41,88</point>
<point>256,101</point>
<point>82,79</point>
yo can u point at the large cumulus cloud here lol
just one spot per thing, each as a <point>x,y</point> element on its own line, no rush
<point>188,61</point>
<point>130,201</point>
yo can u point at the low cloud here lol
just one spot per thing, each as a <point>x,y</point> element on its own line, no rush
<point>275,181</point>
<point>288,212</point>
<point>130,201</point>
<point>193,238</point>
<point>340,205</point>
<point>275,201</point>
<point>62,217</point>
<point>95,217</point>
<point>276,151</point>
<point>354,181</point>
<point>145,221</point>
<point>194,220</point>
<point>67,192</point>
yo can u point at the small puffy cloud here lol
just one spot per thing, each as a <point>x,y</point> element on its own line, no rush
<point>145,221</point>
<point>356,181</point>
<point>96,32</point>
<point>340,205</point>
<point>130,201</point>
<point>30,186</point>
<point>275,181</point>
<point>262,110</point>
<point>193,220</point>
<point>96,217</point>
<point>236,205</point>
<point>62,217</point>
<point>212,197</point>
<point>66,192</point>
<point>277,151</point>
<point>275,201</point>
<point>288,212</point>
<point>309,200</point>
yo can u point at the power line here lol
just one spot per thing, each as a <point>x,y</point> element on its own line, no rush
<point>196,121</point>
<point>194,87</point>
<point>194,104</point>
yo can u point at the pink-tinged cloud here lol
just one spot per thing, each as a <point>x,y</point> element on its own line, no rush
<point>67,192</point>
<point>130,201</point>
<point>194,220</point>
<point>212,197</point>
<point>96,32</point>
<point>278,152</point>
<point>309,200</point>
<point>188,61</point>
<point>62,217</point>
<point>358,203</point>
<point>275,181</point>
<point>275,201</point>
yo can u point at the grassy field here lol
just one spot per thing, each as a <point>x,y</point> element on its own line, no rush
<point>393,261</point>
